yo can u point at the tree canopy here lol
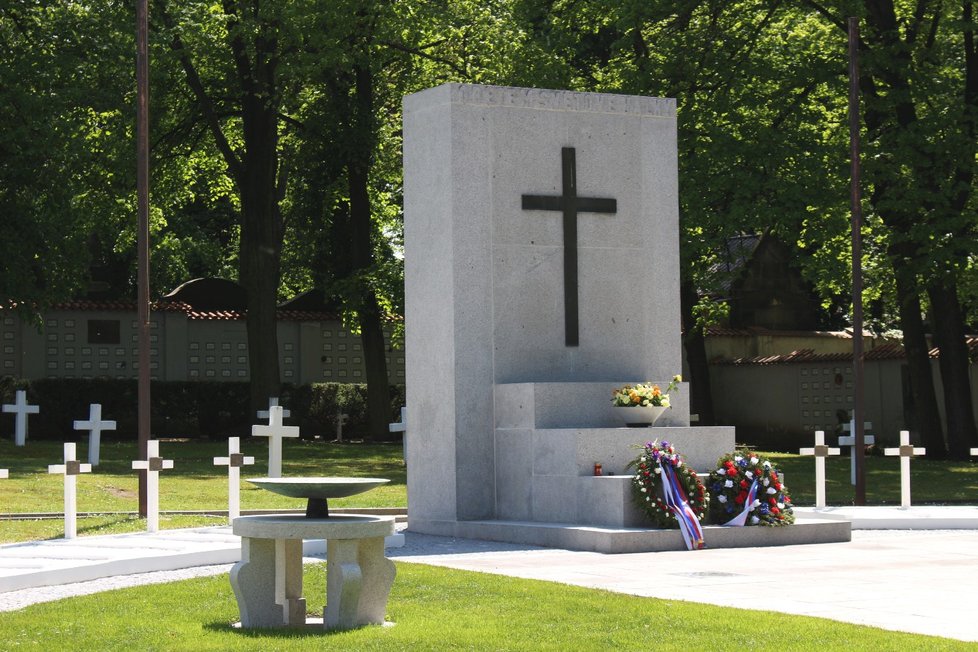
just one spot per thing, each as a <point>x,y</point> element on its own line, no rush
<point>276,148</point>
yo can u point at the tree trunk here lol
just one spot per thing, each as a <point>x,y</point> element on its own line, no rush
<point>259,269</point>
<point>955,365</point>
<point>361,254</point>
<point>701,393</point>
<point>918,364</point>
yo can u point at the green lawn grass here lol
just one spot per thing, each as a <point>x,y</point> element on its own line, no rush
<point>436,609</point>
<point>196,484</point>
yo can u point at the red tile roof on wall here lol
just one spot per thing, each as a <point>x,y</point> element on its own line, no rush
<point>888,351</point>
<point>88,305</point>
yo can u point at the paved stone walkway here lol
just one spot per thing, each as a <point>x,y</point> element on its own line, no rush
<point>914,580</point>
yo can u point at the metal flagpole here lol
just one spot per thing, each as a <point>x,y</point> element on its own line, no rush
<point>142,238</point>
<point>858,449</point>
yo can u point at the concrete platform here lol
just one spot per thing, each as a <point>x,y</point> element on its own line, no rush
<point>959,517</point>
<point>64,561</point>
<point>630,540</point>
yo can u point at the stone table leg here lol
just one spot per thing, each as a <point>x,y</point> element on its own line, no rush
<point>378,577</point>
<point>288,581</point>
<point>343,584</point>
<point>267,583</point>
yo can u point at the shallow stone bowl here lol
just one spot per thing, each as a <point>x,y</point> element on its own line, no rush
<point>317,491</point>
<point>318,487</point>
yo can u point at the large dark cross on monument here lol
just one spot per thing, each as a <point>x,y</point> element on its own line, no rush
<point>570,205</point>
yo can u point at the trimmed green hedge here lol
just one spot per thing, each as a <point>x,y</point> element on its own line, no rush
<point>204,409</point>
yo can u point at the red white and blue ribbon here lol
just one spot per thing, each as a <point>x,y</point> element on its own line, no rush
<point>675,500</point>
<point>741,518</point>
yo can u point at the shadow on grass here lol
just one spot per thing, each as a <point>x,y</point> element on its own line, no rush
<point>296,631</point>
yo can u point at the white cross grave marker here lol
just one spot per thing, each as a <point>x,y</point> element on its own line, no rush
<point>275,431</point>
<point>401,426</point>
<point>820,451</point>
<point>850,441</point>
<point>21,409</point>
<point>234,461</point>
<point>341,420</point>
<point>95,426</point>
<point>906,451</point>
<point>153,464</point>
<point>70,469</point>
<point>272,402</point>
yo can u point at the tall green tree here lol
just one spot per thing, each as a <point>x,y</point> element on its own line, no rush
<point>919,77</point>
<point>232,56</point>
<point>65,104</point>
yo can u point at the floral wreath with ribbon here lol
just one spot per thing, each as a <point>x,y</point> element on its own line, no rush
<point>747,490</point>
<point>669,491</point>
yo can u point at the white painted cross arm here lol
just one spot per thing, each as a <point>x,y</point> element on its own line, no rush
<point>4,474</point>
<point>153,461</point>
<point>400,426</point>
<point>974,451</point>
<point>71,465</point>
<point>820,449</point>
<point>272,402</point>
<point>905,449</point>
<point>235,458</point>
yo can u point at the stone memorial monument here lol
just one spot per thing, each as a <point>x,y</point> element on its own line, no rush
<point>541,236</point>
<point>541,271</point>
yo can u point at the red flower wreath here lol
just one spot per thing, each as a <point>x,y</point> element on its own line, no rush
<point>647,484</point>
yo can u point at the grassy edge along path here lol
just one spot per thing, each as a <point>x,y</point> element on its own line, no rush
<point>438,609</point>
<point>194,483</point>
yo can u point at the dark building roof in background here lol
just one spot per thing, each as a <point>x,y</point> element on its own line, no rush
<point>210,294</point>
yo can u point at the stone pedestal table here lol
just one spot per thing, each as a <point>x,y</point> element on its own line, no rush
<point>267,582</point>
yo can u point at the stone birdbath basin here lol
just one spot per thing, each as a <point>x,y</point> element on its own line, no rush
<point>318,490</point>
<point>267,582</point>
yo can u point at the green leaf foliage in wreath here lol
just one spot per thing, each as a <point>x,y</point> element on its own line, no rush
<point>730,484</point>
<point>647,483</point>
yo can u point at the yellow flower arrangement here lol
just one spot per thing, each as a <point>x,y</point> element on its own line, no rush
<point>644,394</point>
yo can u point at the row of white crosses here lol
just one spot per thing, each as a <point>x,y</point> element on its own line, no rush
<point>71,467</point>
<point>21,409</point>
<point>905,451</point>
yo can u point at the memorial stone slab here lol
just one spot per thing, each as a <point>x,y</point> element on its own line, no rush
<point>94,426</point>
<point>20,409</point>
<point>499,290</point>
<point>71,468</point>
<point>541,271</point>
